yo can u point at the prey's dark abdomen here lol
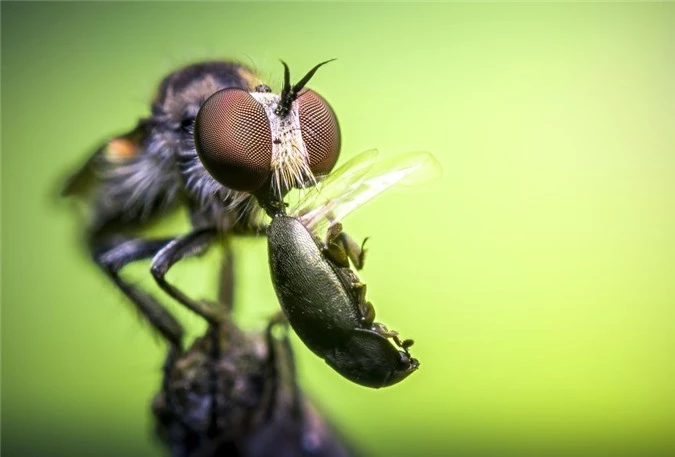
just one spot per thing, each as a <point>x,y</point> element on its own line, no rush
<point>310,291</point>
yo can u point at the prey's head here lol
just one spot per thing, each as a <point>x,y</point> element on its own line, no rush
<point>266,143</point>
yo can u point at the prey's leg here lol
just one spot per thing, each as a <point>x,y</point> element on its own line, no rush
<point>341,248</point>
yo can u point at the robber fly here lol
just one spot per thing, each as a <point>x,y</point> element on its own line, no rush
<point>208,120</point>
<point>322,297</point>
<point>234,393</point>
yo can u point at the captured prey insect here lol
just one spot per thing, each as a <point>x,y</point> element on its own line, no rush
<point>322,298</point>
<point>209,120</point>
<point>234,393</point>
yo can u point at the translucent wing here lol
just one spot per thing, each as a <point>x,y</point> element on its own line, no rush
<point>336,183</point>
<point>348,190</point>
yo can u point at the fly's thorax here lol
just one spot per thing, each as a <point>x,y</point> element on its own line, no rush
<point>290,159</point>
<point>182,91</point>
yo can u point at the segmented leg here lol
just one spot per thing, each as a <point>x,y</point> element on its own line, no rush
<point>393,334</point>
<point>176,412</point>
<point>365,307</point>
<point>191,244</point>
<point>356,253</point>
<point>333,249</point>
<point>367,312</point>
<point>112,260</point>
<point>341,248</point>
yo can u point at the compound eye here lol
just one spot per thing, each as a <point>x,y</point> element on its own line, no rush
<point>320,131</point>
<point>233,139</point>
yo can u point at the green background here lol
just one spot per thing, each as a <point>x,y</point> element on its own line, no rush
<point>536,276</point>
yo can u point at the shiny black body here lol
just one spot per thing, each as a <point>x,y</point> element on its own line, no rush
<point>323,303</point>
<point>234,393</point>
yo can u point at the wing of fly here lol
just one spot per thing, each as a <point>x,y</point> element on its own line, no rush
<point>334,206</point>
<point>338,182</point>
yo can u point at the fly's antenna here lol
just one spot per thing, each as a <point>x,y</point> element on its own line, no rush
<point>286,90</point>
<point>290,94</point>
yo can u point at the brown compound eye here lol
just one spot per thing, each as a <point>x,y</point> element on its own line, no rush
<point>233,139</point>
<point>320,131</point>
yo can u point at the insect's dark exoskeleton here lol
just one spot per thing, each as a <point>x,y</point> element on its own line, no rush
<point>322,298</point>
<point>325,303</point>
<point>210,123</point>
<point>235,393</point>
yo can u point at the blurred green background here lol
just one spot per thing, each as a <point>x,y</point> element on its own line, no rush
<point>537,276</point>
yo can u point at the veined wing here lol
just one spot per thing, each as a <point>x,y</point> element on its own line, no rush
<point>336,183</point>
<point>327,187</point>
<point>336,199</point>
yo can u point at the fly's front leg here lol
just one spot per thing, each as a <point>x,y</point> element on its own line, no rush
<point>113,259</point>
<point>340,247</point>
<point>191,244</point>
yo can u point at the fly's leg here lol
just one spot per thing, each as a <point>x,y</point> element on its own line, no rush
<point>333,249</point>
<point>367,312</point>
<point>365,307</point>
<point>112,260</point>
<point>341,248</point>
<point>393,334</point>
<point>176,413</point>
<point>191,244</point>
<point>356,253</point>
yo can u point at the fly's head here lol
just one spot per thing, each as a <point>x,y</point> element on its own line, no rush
<point>266,143</point>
